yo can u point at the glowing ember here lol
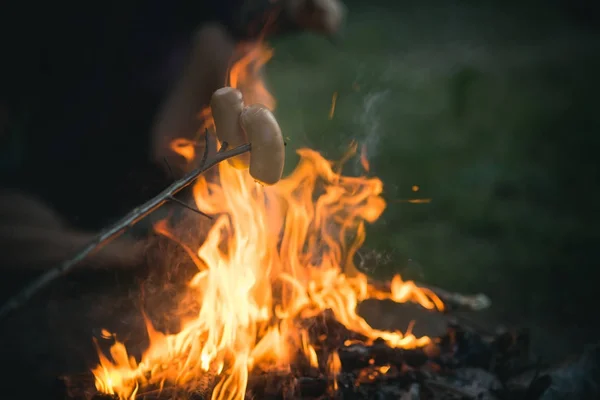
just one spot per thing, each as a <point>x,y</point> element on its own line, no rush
<point>274,256</point>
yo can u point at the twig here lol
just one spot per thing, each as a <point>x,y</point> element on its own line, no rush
<point>202,162</point>
<point>185,205</point>
<point>119,227</point>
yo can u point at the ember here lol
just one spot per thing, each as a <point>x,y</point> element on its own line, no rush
<point>341,364</point>
<point>275,302</point>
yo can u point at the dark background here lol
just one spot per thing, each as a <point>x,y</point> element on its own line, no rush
<point>491,107</point>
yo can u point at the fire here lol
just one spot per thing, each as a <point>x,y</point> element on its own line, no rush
<point>274,256</point>
<point>364,161</point>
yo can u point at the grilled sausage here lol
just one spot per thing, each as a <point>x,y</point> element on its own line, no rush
<point>268,149</point>
<point>227,105</point>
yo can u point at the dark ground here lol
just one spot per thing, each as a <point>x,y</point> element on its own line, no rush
<point>491,108</point>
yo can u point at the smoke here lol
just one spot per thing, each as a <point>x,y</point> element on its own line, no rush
<point>368,120</point>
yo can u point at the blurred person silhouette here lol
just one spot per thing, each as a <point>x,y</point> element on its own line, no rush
<point>92,96</point>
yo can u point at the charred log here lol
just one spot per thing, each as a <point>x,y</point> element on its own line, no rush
<point>462,364</point>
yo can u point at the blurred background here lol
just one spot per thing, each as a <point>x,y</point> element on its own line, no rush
<point>489,109</point>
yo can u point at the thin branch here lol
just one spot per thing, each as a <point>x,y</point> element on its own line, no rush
<point>119,227</point>
<point>185,205</point>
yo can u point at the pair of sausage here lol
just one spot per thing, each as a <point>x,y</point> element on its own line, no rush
<point>237,124</point>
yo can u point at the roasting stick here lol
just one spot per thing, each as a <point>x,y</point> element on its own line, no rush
<point>119,227</point>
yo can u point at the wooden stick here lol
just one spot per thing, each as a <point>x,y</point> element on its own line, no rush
<point>119,227</point>
<point>454,300</point>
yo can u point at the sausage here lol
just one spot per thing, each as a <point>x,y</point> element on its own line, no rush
<point>268,149</point>
<point>227,105</point>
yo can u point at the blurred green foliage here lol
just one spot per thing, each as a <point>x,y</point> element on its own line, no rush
<point>492,112</point>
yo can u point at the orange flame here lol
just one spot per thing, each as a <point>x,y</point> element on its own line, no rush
<point>244,74</point>
<point>274,255</point>
<point>334,366</point>
<point>185,148</point>
<point>364,161</point>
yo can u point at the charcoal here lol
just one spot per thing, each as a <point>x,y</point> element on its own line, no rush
<point>415,358</point>
<point>464,348</point>
<point>311,387</point>
<point>461,364</point>
<point>354,357</point>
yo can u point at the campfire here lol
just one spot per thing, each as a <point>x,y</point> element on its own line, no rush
<point>272,309</point>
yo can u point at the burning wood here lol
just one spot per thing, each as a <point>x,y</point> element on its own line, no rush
<point>460,364</point>
<point>266,303</point>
